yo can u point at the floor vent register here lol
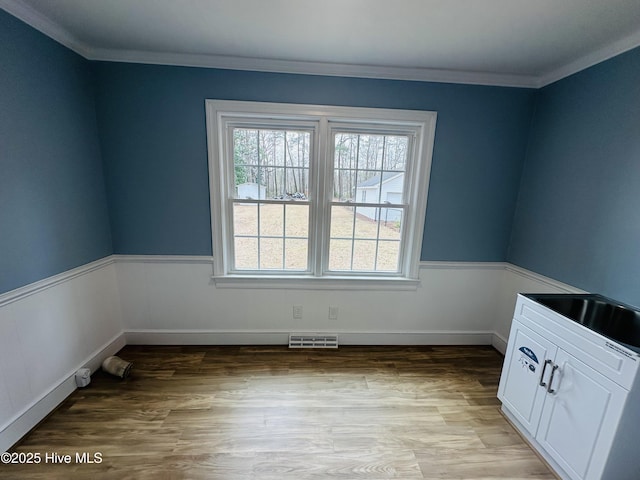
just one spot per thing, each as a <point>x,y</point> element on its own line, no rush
<point>310,340</point>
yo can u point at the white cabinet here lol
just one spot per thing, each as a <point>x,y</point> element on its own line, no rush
<point>557,388</point>
<point>520,386</point>
<point>573,416</point>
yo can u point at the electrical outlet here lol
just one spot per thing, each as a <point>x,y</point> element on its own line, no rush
<point>297,311</point>
<point>333,312</point>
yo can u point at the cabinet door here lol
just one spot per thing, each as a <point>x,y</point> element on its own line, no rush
<point>520,390</point>
<point>579,419</point>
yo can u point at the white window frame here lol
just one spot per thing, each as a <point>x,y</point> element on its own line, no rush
<point>323,120</point>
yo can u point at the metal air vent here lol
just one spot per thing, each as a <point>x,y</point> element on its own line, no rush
<point>311,340</point>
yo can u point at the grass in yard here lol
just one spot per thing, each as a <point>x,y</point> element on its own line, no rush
<point>289,223</point>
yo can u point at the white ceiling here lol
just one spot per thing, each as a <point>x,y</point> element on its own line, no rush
<point>499,42</point>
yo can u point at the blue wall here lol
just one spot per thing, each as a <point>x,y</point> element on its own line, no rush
<point>578,195</point>
<point>578,215</point>
<point>152,128</point>
<point>53,209</point>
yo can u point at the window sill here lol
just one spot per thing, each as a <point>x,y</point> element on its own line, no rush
<point>316,283</point>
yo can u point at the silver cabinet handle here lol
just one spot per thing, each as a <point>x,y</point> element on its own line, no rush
<point>541,383</point>
<point>553,372</point>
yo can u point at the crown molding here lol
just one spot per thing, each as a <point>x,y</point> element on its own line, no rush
<point>53,30</point>
<point>598,56</point>
<point>313,68</point>
<point>62,36</point>
<point>44,25</point>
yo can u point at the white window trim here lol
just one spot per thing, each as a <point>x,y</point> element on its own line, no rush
<point>423,122</point>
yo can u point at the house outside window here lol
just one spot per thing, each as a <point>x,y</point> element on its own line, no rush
<point>307,192</point>
<point>389,187</point>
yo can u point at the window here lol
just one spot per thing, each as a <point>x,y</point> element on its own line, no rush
<point>269,201</point>
<point>317,192</point>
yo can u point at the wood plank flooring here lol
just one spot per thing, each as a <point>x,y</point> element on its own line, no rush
<point>273,413</point>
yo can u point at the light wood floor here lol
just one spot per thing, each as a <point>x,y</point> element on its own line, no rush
<point>273,413</point>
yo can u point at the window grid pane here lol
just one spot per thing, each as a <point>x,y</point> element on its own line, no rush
<point>246,253</point>
<point>352,226</point>
<point>340,254</point>
<point>388,256</point>
<point>271,236</point>
<point>296,253</point>
<point>271,163</point>
<point>369,169</point>
<point>271,253</point>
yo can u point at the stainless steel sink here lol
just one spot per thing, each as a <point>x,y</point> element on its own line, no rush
<point>608,317</point>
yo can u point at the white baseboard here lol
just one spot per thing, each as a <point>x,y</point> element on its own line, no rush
<point>204,337</point>
<point>415,338</point>
<point>499,343</point>
<point>211,337</point>
<point>34,413</point>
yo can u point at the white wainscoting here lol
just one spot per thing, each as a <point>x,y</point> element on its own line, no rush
<point>53,327</point>
<point>172,300</point>
<point>48,330</point>
<point>518,280</point>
